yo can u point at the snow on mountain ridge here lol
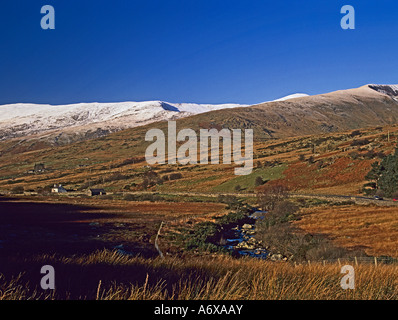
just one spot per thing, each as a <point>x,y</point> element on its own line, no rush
<point>292,96</point>
<point>24,118</point>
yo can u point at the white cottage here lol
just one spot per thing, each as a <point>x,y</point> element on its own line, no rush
<point>58,189</point>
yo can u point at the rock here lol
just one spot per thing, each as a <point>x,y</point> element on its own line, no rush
<point>247,226</point>
<point>276,257</point>
<point>246,245</point>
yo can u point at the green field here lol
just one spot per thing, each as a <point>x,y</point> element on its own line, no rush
<point>247,183</point>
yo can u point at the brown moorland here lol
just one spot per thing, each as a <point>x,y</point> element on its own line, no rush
<point>371,228</point>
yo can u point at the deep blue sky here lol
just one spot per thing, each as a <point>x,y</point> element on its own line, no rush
<point>204,51</point>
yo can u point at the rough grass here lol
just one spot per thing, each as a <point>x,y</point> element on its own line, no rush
<point>371,228</point>
<point>108,275</point>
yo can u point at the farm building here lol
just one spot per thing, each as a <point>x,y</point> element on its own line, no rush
<point>58,189</point>
<point>96,192</point>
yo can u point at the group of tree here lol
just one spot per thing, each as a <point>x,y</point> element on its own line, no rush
<point>383,177</point>
<point>277,230</point>
<point>269,195</point>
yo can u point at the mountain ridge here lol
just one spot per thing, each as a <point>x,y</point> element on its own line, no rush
<point>366,106</point>
<point>79,121</point>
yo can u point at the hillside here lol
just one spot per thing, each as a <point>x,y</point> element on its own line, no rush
<point>333,112</point>
<point>63,124</point>
<point>285,131</point>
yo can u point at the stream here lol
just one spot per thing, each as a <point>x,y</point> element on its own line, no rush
<point>241,239</point>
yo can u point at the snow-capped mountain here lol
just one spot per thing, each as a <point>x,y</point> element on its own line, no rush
<point>93,119</point>
<point>27,119</point>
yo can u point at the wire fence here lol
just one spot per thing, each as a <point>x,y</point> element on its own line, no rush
<point>355,261</point>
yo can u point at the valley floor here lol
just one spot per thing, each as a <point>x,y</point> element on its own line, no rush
<point>104,249</point>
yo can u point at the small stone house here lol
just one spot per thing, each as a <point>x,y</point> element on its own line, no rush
<point>96,192</point>
<point>58,189</point>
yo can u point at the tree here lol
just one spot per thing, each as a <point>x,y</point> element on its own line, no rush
<point>269,195</point>
<point>259,181</point>
<point>384,175</point>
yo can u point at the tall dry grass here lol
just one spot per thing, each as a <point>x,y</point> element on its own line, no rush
<point>107,275</point>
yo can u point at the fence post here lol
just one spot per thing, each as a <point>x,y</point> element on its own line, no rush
<point>156,241</point>
<point>356,261</point>
<point>339,262</point>
<point>375,261</point>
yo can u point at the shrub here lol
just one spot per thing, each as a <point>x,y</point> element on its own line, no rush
<point>370,154</point>
<point>151,178</point>
<point>231,201</point>
<point>354,155</point>
<point>175,176</point>
<point>17,190</point>
<point>355,133</point>
<point>259,181</point>
<point>142,197</point>
<point>360,142</point>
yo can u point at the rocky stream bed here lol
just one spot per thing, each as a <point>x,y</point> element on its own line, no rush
<point>241,240</point>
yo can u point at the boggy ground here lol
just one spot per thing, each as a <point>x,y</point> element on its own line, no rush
<point>48,225</point>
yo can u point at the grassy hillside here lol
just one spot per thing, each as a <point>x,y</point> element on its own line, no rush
<point>334,163</point>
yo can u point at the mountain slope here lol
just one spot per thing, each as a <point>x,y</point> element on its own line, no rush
<point>367,106</point>
<point>64,124</point>
<point>79,119</point>
<point>332,112</point>
<point>315,117</point>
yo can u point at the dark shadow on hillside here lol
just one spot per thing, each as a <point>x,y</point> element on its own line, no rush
<point>29,228</point>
